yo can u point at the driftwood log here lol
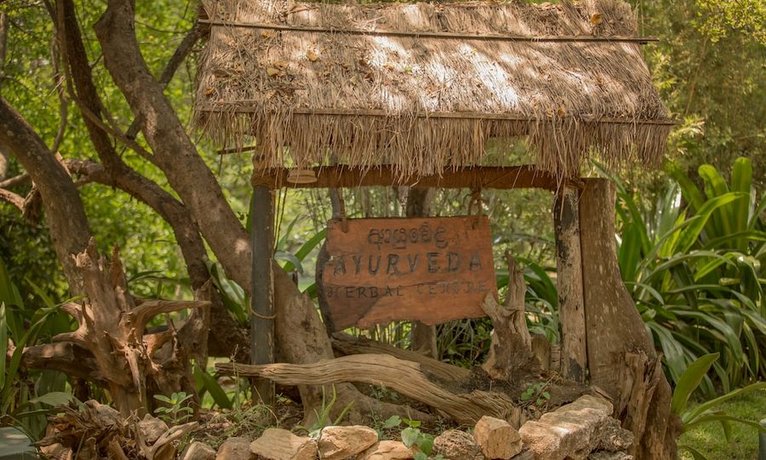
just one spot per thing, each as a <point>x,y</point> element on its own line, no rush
<point>345,344</point>
<point>404,377</point>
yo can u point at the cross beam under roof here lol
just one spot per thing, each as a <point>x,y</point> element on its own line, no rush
<point>471,177</point>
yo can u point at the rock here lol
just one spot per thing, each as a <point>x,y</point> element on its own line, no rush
<point>457,445</point>
<point>279,444</point>
<point>387,450</point>
<point>525,454</point>
<point>198,451</point>
<point>151,428</point>
<point>233,449</point>
<point>613,437</point>
<point>341,442</point>
<point>497,438</point>
<point>569,431</point>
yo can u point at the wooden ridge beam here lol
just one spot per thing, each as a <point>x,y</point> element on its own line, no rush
<point>471,177</point>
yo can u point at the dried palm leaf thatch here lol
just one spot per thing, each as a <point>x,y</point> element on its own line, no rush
<point>423,86</point>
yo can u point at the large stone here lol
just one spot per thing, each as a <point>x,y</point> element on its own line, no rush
<point>387,450</point>
<point>457,445</point>
<point>571,431</point>
<point>151,428</point>
<point>279,444</point>
<point>198,451</point>
<point>341,442</point>
<point>234,448</point>
<point>497,438</point>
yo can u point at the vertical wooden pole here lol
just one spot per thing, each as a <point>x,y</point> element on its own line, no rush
<point>262,303</point>
<point>566,218</point>
<point>423,336</point>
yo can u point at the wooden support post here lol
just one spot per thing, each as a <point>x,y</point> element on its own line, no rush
<point>262,303</point>
<point>566,218</point>
<point>423,336</point>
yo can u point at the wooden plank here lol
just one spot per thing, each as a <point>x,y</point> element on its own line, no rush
<point>433,270</point>
<point>569,280</point>
<point>428,34</point>
<point>472,177</point>
<point>262,303</point>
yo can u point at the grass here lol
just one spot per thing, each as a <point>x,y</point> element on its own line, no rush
<point>743,444</point>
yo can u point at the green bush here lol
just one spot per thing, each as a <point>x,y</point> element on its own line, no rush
<point>692,262</point>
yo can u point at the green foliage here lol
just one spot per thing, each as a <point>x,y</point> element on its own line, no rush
<point>206,383</point>
<point>693,266</point>
<point>323,415</point>
<point>536,394</point>
<point>709,411</point>
<point>710,438</point>
<point>412,437</point>
<point>23,394</point>
<point>177,410</point>
<point>709,67</point>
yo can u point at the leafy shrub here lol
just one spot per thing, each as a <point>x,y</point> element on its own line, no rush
<point>692,262</point>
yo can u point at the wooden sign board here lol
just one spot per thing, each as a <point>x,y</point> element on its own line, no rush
<point>373,271</point>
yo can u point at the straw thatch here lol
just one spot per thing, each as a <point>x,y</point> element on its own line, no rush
<point>423,86</point>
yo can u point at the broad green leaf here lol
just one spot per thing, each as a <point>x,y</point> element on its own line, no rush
<point>410,436</point>
<point>742,182</point>
<point>392,421</point>
<point>690,380</point>
<point>290,260</point>
<point>697,223</point>
<point>56,398</point>
<point>212,386</point>
<point>690,191</point>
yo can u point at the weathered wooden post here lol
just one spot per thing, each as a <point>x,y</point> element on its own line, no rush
<point>622,360</point>
<point>574,358</point>
<point>262,302</point>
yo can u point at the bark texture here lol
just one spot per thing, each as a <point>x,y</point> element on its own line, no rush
<point>621,357</point>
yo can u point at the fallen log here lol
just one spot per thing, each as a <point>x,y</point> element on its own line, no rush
<point>404,377</point>
<point>346,344</point>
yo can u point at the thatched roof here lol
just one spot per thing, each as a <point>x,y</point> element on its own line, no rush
<point>423,86</point>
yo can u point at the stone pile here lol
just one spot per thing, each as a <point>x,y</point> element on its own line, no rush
<point>583,429</point>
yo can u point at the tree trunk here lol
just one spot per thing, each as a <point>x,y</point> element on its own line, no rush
<point>621,357</point>
<point>300,334</point>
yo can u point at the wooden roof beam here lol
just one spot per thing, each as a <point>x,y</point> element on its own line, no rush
<point>471,177</point>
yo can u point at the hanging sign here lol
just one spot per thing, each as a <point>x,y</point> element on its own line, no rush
<point>373,271</point>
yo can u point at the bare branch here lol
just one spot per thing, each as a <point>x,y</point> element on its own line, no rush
<point>179,56</point>
<point>21,179</point>
<point>12,198</point>
<point>66,357</point>
<point>151,308</point>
